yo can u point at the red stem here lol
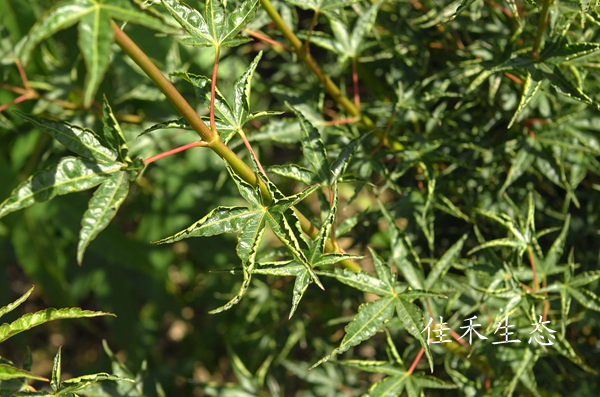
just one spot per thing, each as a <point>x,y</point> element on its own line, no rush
<point>249,147</point>
<point>267,39</point>
<point>213,86</point>
<point>343,121</point>
<point>17,100</point>
<point>176,150</point>
<point>23,75</point>
<point>415,361</point>
<point>355,82</point>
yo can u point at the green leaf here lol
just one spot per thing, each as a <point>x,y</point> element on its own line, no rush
<point>95,33</point>
<point>303,279</point>
<point>587,298</point>
<point>12,306</point>
<point>412,319</point>
<point>31,320</point>
<point>331,8</point>
<point>410,295</point>
<point>60,17</point>
<point>363,25</point>
<point>339,165</point>
<point>312,147</point>
<point>400,253</point>
<point>216,28</point>
<point>69,175</point>
<point>102,208</point>
<point>530,88</point>
<point>220,220</point>
<point>392,386</point>
<point>295,172</point>
<point>242,87</point>
<point>229,120</point>
<point>443,264</point>
<point>381,367</point>
<point>94,39</point>
<point>202,84</point>
<point>369,320</point>
<point>331,259</point>
<point>463,6</point>
<point>112,132</point>
<point>527,361</point>
<point>279,131</point>
<point>384,273</point>
<point>86,381</point>
<point>9,372</point>
<point>251,223</point>
<point>563,86</point>
<point>181,123</point>
<point>431,382</point>
<point>521,163</point>
<point>578,281</point>
<point>56,370</point>
<point>569,52</point>
<point>363,282</point>
<point>78,140</point>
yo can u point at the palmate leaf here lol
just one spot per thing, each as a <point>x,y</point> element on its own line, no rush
<point>314,151</point>
<point>228,120</point>
<point>346,44</point>
<point>216,27</point>
<point>105,161</point>
<point>95,34</point>
<point>369,320</point>
<point>251,223</point>
<point>372,316</point>
<point>315,256</point>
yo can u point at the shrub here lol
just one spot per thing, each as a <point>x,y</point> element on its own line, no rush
<point>358,170</point>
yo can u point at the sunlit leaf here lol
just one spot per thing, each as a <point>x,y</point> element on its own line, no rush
<point>69,175</point>
<point>31,320</point>
<point>102,208</point>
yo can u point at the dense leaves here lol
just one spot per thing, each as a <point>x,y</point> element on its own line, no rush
<point>437,169</point>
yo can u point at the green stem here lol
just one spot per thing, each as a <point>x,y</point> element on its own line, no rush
<point>213,86</point>
<point>211,138</point>
<point>330,86</point>
<point>541,27</point>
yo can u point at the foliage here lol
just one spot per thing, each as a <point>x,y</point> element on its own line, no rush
<point>14,381</point>
<point>436,161</point>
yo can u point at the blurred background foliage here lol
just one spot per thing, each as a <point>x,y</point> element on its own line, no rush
<point>436,86</point>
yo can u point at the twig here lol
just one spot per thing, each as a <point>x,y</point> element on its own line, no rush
<point>213,85</point>
<point>267,39</point>
<point>415,361</point>
<point>173,151</point>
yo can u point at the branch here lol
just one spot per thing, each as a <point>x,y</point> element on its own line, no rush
<point>212,139</point>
